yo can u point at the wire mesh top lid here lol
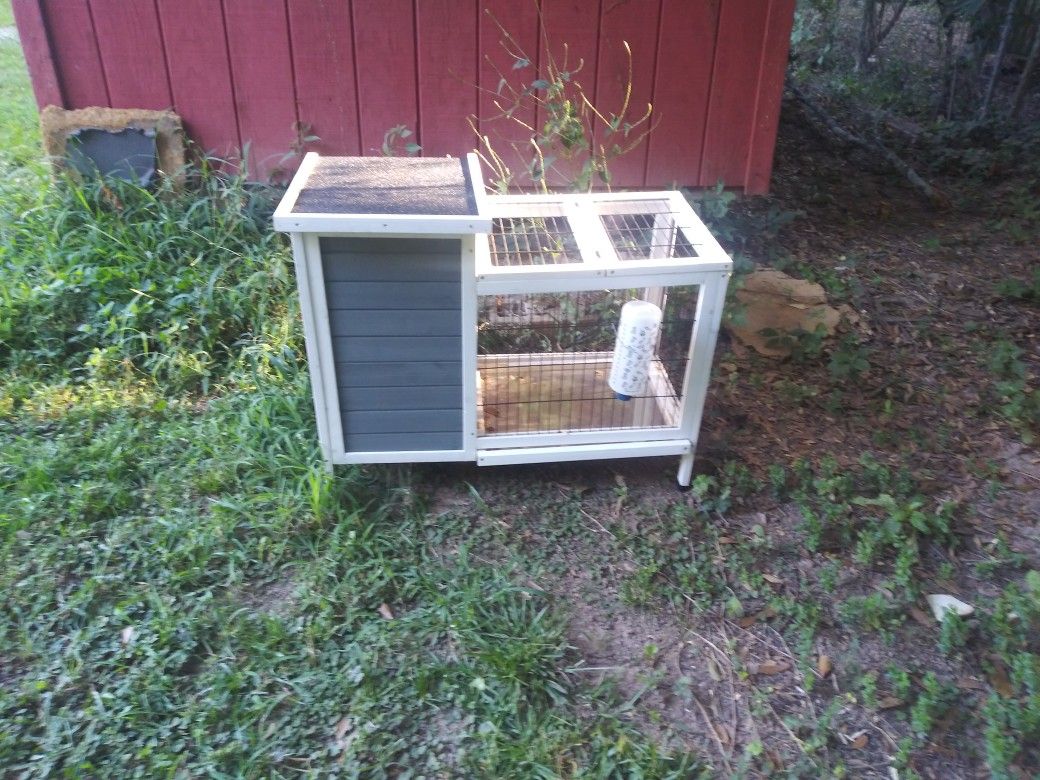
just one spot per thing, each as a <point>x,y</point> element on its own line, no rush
<point>388,185</point>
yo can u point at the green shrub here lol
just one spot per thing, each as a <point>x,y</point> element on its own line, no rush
<point>172,283</point>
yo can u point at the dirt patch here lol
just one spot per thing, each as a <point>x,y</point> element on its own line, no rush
<point>277,598</point>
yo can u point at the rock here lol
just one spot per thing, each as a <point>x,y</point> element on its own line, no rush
<point>772,300</point>
<point>941,603</point>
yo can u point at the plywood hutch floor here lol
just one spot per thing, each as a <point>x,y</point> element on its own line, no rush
<point>514,397</point>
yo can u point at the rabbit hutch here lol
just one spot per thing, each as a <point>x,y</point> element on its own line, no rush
<point>446,324</point>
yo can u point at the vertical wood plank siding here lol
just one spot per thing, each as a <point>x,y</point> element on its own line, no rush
<point>384,46</point>
<point>132,53</point>
<point>260,53</point>
<point>267,73</point>
<point>323,62</point>
<point>197,27</point>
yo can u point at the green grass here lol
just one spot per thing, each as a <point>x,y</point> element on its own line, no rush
<point>185,592</point>
<point>6,15</point>
<point>183,589</point>
<point>188,592</point>
<point>19,130</point>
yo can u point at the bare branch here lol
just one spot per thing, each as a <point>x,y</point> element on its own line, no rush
<point>1027,74</point>
<point>1005,33</point>
<point>936,196</point>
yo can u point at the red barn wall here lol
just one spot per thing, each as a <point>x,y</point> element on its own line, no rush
<point>262,75</point>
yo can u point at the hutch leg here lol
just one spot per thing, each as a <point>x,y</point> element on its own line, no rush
<point>685,470</point>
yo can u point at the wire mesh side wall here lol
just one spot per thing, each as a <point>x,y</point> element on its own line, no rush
<point>544,360</point>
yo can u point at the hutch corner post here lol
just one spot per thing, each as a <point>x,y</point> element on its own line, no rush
<point>446,324</point>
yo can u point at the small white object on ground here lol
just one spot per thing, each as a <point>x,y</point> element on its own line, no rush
<point>941,603</point>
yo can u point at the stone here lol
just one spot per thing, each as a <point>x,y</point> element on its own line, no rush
<point>774,301</point>
<point>941,603</point>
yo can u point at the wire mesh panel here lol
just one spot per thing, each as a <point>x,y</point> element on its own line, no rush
<point>544,360</point>
<point>641,236</point>
<point>540,240</point>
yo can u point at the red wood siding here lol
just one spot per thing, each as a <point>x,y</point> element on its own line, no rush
<point>264,74</point>
<point>209,114</point>
<point>132,54</point>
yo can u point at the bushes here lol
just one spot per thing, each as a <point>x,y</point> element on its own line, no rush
<point>166,282</point>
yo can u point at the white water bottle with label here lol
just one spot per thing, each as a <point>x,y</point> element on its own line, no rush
<point>634,349</point>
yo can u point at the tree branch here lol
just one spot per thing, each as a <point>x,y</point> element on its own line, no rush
<point>1005,33</point>
<point>1027,74</point>
<point>936,196</point>
<point>891,22</point>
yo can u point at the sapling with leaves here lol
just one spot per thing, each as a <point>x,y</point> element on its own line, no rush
<point>569,136</point>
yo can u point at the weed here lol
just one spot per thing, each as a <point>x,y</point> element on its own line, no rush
<point>777,477</point>
<point>803,345</point>
<point>935,700</point>
<point>953,633</point>
<point>1021,290</point>
<point>832,503</point>
<point>873,612</point>
<point>1012,723</point>
<point>849,359</point>
<point>173,283</point>
<point>576,141</point>
<point>1017,400</point>
<point>396,140</point>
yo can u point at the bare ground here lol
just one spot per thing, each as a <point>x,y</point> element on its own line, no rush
<point>726,683</point>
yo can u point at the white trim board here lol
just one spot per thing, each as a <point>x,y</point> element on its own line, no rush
<point>636,449</point>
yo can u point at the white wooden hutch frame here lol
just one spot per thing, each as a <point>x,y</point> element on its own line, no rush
<point>601,268</point>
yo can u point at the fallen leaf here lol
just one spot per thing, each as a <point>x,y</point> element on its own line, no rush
<point>941,603</point>
<point>762,614</point>
<point>775,759</point>
<point>998,678</point>
<point>714,671</point>
<point>345,724</point>
<point>824,665</point>
<point>970,684</point>
<point>126,636</point>
<point>726,540</point>
<point>890,703</point>
<point>920,616</point>
<point>773,579</point>
<point>344,736</point>
<point>770,667</point>
<point>385,611</point>
<point>725,734</point>
<point>859,741</point>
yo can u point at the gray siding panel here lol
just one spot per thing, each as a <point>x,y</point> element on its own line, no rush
<point>392,268</point>
<point>396,324</point>
<point>383,442</point>
<point>365,399</point>
<point>388,246</point>
<point>424,421</point>
<point>395,349</point>
<point>350,322</point>
<point>398,296</point>
<point>414,375</point>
